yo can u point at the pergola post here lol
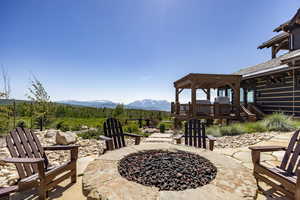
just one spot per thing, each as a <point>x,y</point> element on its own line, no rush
<point>176,100</point>
<point>236,99</point>
<point>208,94</point>
<point>245,95</point>
<point>194,98</point>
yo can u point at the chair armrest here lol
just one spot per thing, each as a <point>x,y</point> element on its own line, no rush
<point>23,160</point>
<point>132,135</point>
<point>211,141</point>
<point>137,138</point>
<point>267,148</point>
<point>178,136</point>
<point>108,142</point>
<point>209,137</point>
<point>102,137</point>
<point>60,147</point>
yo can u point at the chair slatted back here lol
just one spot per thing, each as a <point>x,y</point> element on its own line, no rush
<point>113,129</point>
<point>194,134</point>
<point>23,143</point>
<point>291,158</point>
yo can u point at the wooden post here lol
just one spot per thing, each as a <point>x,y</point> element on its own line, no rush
<point>218,92</point>
<point>176,95</point>
<point>177,111</point>
<point>273,52</point>
<point>208,94</point>
<point>194,98</point>
<point>226,92</point>
<point>245,96</point>
<point>236,99</point>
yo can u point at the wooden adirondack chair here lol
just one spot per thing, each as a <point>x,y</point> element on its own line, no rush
<point>5,191</point>
<point>32,164</point>
<point>287,174</point>
<point>194,135</point>
<point>114,135</point>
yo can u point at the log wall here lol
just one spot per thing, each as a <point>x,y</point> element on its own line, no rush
<point>278,97</point>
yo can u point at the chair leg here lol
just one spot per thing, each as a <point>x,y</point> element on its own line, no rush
<point>74,177</point>
<point>258,186</point>
<point>42,193</point>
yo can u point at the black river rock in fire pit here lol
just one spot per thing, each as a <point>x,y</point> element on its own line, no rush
<point>167,170</point>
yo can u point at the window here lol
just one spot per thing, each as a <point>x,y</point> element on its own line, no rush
<point>250,96</point>
<point>276,81</point>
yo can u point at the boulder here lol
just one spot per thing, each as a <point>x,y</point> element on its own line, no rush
<point>65,138</point>
<point>84,127</point>
<point>50,133</point>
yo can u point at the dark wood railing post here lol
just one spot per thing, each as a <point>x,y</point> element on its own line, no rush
<point>177,108</point>
<point>194,98</point>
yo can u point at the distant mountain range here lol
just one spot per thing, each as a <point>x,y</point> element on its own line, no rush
<point>146,104</point>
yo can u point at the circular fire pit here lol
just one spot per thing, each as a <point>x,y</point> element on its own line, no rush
<point>167,170</point>
<point>160,171</point>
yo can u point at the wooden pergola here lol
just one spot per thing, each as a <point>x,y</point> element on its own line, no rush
<point>206,82</point>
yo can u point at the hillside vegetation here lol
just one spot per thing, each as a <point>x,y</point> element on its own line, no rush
<point>69,117</point>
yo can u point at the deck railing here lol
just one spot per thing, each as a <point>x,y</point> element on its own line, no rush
<point>181,109</point>
<point>202,109</point>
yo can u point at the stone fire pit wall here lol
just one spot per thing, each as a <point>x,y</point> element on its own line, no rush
<point>102,179</point>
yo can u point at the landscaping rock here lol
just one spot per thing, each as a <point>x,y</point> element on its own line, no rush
<point>150,130</point>
<point>65,138</point>
<point>50,133</point>
<point>84,127</point>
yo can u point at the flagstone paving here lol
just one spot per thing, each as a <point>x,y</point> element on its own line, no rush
<point>159,137</point>
<point>240,155</point>
<point>101,179</point>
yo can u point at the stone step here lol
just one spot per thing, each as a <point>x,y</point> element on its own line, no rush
<point>168,140</point>
<point>160,135</point>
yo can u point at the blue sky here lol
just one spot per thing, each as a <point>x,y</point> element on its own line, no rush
<point>125,50</point>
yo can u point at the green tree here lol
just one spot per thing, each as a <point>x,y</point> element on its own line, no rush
<point>4,115</point>
<point>119,110</point>
<point>41,102</point>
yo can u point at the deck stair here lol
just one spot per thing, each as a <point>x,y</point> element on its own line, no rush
<point>254,109</point>
<point>247,115</point>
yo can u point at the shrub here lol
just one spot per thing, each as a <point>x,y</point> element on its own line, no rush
<point>234,129</point>
<point>91,134</point>
<point>154,122</point>
<point>237,129</point>
<point>225,130</point>
<point>76,127</point>
<point>131,128</point>
<point>162,128</point>
<point>62,126</point>
<point>168,124</point>
<point>278,122</point>
<point>214,131</point>
<point>21,124</point>
<point>255,127</point>
<point>59,125</point>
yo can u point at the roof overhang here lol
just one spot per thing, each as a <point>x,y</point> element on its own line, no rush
<point>289,24</point>
<point>206,81</point>
<point>266,72</point>
<point>276,40</point>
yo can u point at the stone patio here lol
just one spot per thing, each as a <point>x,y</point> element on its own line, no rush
<point>101,179</point>
<point>239,156</point>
